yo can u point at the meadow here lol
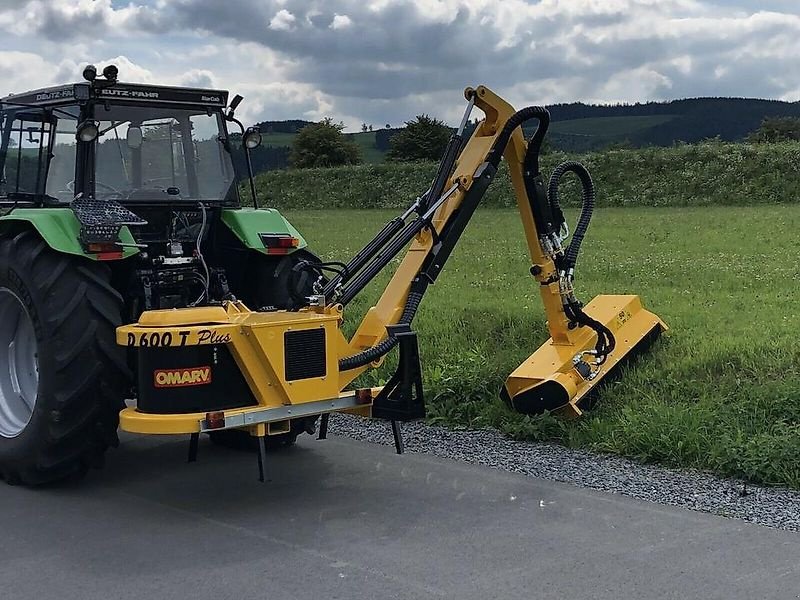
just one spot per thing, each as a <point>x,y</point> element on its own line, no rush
<point>720,391</point>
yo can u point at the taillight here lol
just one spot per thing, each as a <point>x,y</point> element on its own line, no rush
<point>279,244</point>
<point>215,420</point>
<point>364,396</point>
<point>105,251</point>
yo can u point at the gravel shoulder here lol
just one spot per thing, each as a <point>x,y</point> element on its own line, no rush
<point>772,507</point>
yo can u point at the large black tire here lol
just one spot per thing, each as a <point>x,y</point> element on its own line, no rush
<point>270,288</point>
<point>82,373</point>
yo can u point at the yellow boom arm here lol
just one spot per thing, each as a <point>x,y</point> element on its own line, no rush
<point>548,379</point>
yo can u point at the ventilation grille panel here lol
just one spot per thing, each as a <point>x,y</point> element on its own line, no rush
<point>304,354</point>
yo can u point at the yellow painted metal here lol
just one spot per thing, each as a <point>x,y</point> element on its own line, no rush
<point>552,363</point>
<point>256,342</point>
<point>256,339</point>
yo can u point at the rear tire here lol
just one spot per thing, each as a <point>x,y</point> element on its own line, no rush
<point>270,288</point>
<point>81,374</point>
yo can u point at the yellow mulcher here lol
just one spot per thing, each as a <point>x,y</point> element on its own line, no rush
<point>213,368</point>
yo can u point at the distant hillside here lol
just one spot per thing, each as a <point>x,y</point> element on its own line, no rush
<point>277,138</point>
<point>579,127</point>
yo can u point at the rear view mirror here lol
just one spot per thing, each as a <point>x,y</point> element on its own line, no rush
<point>134,137</point>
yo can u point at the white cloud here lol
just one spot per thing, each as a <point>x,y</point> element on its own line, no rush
<point>341,22</point>
<point>282,21</point>
<point>291,58</point>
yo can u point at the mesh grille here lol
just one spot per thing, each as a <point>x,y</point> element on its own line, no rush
<point>101,220</point>
<point>304,354</point>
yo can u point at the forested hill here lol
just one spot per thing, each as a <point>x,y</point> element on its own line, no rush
<point>579,126</point>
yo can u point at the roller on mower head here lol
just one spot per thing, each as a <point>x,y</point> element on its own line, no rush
<point>228,367</point>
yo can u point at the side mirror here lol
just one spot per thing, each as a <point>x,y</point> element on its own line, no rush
<point>251,138</point>
<point>134,137</point>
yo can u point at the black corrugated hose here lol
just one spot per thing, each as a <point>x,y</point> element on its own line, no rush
<point>371,354</point>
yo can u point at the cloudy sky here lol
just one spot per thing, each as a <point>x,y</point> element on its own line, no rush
<point>383,61</point>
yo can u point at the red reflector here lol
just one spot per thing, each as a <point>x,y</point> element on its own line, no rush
<point>279,241</point>
<point>105,251</point>
<point>109,255</point>
<point>277,250</point>
<point>215,420</point>
<point>364,395</point>
<point>100,247</point>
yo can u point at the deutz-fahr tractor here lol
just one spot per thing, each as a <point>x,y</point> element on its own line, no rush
<point>82,166</point>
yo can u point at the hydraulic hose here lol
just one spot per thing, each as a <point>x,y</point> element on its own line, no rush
<point>534,146</point>
<point>587,208</point>
<point>372,354</point>
<point>605,338</point>
<point>572,308</point>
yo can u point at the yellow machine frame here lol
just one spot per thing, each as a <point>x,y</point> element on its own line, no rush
<point>256,339</point>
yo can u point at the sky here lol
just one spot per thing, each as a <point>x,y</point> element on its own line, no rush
<point>384,61</point>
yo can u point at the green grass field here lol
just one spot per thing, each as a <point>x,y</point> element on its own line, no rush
<point>721,391</point>
<point>277,139</point>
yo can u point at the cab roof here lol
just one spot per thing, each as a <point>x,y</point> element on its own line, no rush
<point>121,92</point>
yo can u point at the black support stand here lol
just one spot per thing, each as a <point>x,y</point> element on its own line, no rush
<point>262,456</point>
<point>402,398</point>
<point>193,439</point>
<point>397,433</point>
<point>323,427</point>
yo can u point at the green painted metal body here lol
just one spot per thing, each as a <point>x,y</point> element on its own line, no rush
<point>247,223</point>
<point>60,228</point>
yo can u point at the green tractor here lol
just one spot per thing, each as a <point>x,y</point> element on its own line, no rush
<point>117,198</point>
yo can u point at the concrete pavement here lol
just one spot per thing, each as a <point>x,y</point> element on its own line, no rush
<point>350,520</point>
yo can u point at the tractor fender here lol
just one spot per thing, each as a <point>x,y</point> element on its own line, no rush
<point>59,228</point>
<point>247,224</point>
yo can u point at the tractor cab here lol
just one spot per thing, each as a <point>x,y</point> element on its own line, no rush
<point>116,141</point>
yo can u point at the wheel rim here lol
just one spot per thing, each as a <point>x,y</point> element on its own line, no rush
<point>19,365</point>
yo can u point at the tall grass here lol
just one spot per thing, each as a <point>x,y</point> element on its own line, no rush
<point>721,391</point>
<point>711,173</point>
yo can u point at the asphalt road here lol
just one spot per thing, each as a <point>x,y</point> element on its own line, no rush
<point>350,520</point>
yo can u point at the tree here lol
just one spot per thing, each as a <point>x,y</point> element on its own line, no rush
<point>422,139</point>
<point>323,145</point>
<point>776,129</point>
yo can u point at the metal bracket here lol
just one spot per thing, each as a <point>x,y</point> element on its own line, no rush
<point>402,398</point>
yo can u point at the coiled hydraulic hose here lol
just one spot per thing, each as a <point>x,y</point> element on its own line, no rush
<point>566,265</point>
<point>587,207</point>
